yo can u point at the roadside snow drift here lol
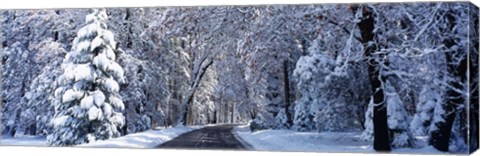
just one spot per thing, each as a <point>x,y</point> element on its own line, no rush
<point>23,141</point>
<point>147,139</point>
<point>338,142</point>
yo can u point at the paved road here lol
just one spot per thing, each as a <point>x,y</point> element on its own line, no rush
<point>211,137</point>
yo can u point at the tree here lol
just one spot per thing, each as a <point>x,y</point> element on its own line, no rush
<point>380,126</point>
<point>429,98</point>
<point>397,119</point>
<point>36,115</point>
<point>457,64</point>
<point>87,103</point>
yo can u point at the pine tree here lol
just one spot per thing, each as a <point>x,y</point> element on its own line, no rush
<point>422,119</point>
<point>87,103</point>
<point>367,133</point>
<point>281,120</point>
<point>397,119</point>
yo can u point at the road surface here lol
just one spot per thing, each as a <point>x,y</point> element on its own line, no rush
<point>211,137</point>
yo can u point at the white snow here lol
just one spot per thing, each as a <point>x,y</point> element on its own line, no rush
<point>110,53</point>
<point>294,141</point>
<point>101,61</point>
<point>99,98</point>
<point>60,121</point>
<point>82,46</point>
<point>147,139</point>
<point>71,95</point>
<point>111,85</point>
<point>118,119</point>
<point>116,102</point>
<point>25,140</point>
<point>117,71</point>
<point>109,38</point>
<point>96,42</point>
<point>107,110</point>
<point>87,102</point>
<point>94,113</point>
<point>84,72</point>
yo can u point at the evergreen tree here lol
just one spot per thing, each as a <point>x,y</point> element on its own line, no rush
<point>87,103</point>
<point>429,98</point>
<point>397,119</point>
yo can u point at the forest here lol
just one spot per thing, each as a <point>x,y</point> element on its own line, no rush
<point>392,71</point>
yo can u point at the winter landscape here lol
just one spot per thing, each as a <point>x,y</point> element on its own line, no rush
<point>356,78</point>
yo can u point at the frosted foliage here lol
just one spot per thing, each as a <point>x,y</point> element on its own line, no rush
<point>367,133</point>
<point>99,98</point>
<point>87,102</point>
<point>397,118</point>
<point>329,95</point>
<point>89,88</point>
<point>429,98</point>
<point>110,85</point>
<point>281,120</point>
<point>303,120</point>
<point>438,114</point>
<point>457,142</point>
<point>307,66</point>
<point>39,110</point>
<point>71,95</point>
<point>94,114</point>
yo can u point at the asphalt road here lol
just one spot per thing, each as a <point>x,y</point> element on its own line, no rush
<point>211,137</point>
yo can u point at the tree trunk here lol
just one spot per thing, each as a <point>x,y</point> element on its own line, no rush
<point>474,94</point>
<point>473,77</point>
<point>190,93</point>
<point>129,27</point>
<point>441,136</point>
<point>286,83</point>
<point>380,126</point>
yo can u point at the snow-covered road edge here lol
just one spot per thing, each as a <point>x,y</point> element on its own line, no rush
<point>147,139</point>
<point>23,141</point>
<point>325,142</point>
<point>237,136</point>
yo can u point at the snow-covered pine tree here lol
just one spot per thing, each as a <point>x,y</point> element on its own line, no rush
<point>38,110</point>
<point>367,133</point>
<point>459,131</point>
<point>397,119</point>
<point>429,98</point>
<point>311,71</point>
<point>87,103</point>
<point>281,120</point>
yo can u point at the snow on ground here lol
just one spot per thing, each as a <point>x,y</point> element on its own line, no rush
<point>23,141</point>
<point>294,141</point>
<point>147,139</point>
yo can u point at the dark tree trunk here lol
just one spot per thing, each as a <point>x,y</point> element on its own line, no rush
<point>233,113</point>
<point>441,136</point>
<point>193,87</point>
<point>286,83</point>
<point>380,127</point>
<point>474,94</point>
<point>129,27</point>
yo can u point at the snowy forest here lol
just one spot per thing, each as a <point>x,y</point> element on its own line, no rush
<point>393,72</point>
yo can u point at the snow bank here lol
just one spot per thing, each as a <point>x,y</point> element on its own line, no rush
<point>147,139</point>
<point>294,141</point>
<point>289,140</point>
<point>23,141</point>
